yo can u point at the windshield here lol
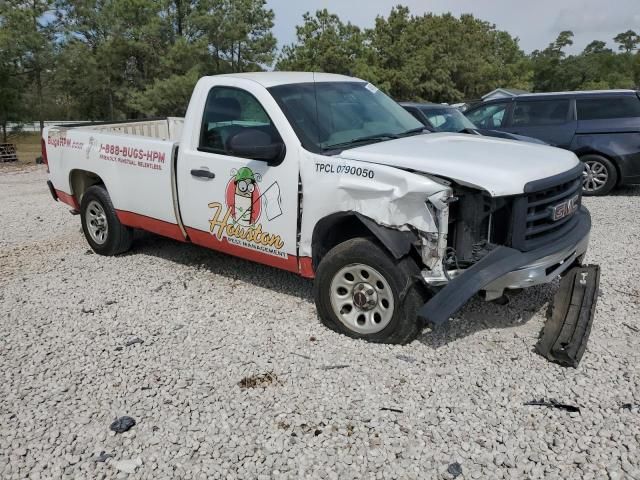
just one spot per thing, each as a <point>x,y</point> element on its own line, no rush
<point>338,115</point>
<point>447,119</point>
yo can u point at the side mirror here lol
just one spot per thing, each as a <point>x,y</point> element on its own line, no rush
<point>257,145</point>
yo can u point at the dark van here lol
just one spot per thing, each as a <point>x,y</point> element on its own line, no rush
<point>601,127</point>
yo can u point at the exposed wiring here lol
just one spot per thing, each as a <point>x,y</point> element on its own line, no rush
<point>449,257</point>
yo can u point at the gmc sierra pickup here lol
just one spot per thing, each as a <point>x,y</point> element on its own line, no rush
<point>325,176</point>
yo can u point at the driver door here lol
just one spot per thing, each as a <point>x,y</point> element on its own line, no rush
<point>241,206</point>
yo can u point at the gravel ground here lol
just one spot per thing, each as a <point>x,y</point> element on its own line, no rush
<point>229,374</point>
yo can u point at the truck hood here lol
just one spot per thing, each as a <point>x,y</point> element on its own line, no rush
<point>501,167</point>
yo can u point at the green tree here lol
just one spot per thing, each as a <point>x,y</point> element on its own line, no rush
<point>222,36</point>
<point>237,32</point>
<point>549,73</point>
<point>429,57</point>
<point>323,44</point>
<point>11,92</point>
<point>627,41</point>
<point>30,26</point>
<point>596,47</point>
<point>443,58</point>
<point>123,44</point>
<point>597,67</point>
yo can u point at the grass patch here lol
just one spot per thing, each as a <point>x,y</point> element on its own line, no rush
<point>255,381</point>
<point>27,146</point>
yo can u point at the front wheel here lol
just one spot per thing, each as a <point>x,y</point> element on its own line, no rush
<point>100,224</point>
<point>363,292</point>
<point>599,176</point>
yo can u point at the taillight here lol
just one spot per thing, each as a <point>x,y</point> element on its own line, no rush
<point>43,144</point>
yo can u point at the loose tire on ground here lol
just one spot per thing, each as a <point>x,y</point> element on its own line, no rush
<point>100,224</point>
<point>600,175</point>
<point>363,292</point>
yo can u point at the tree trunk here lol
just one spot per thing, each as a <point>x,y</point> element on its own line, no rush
<point>179,17</point>
<point>39,93</point>
<point>110,97</point>
<point>37,67</point>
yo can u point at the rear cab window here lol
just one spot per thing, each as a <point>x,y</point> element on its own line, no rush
<point>603,108</point>
<point>540,112</point>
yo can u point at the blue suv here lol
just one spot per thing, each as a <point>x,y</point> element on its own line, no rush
<point>601,127</point>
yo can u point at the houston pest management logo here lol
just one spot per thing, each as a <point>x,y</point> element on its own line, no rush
<point>246,207</point>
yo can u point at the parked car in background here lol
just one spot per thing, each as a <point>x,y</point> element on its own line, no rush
<point>447,118</point>
<point>601,127</point>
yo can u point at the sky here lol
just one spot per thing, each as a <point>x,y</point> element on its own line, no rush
<point>536,23</point>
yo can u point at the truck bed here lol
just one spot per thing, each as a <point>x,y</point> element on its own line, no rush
<point>134,160</point>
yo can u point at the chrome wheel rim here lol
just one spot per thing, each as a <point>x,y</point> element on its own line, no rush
<point>361,298</point>
<point>96,220</point>
<point>595,176</point>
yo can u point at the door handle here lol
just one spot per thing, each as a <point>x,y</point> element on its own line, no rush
<point>203,173</point>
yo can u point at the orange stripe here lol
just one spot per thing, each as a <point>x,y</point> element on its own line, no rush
<point>135,220</point>
<point>305,266</point>
<point>291,263</point>
<point>68,199</point>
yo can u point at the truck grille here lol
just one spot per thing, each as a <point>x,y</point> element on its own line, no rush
<point>547,210</point>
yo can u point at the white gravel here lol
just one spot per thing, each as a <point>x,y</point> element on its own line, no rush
<point>207,321</point>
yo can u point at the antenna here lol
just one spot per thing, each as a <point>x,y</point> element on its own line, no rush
<point>315,96</point>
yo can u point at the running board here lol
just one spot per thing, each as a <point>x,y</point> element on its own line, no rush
<point>566,332</point>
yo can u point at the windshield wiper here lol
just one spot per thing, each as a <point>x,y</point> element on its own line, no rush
<point>378,137</point>
<point>412,131</point>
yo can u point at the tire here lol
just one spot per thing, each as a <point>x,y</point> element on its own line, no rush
<point>600,175</point>
<point>384,292</point>
<point>100,224</point>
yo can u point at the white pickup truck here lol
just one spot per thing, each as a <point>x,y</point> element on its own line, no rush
<point>325,176</point>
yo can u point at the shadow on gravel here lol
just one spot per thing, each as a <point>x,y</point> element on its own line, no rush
<point>222,264</point>
<point>626,191</point>
<point>476,315</point>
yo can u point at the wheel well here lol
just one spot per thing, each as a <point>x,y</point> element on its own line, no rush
<point>333,230</point>
<point>80,181</point>
<point>340,227</point>
<point>584,153</point>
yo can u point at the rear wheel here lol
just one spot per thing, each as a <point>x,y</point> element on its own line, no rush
<point>100,224</point>
<point>599,176</point>
<point>363,292</point>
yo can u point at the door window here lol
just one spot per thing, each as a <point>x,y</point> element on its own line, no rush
<point>608,107</point>
<point>546,112</point>
<point>414,111</point>
<point>489,116</point>
<point>448,119</point>
<point>229,111</point>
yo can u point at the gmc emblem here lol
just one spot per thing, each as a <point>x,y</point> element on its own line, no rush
<point>565,208</point>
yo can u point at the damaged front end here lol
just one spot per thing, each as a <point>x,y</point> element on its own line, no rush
<point>490,245</point>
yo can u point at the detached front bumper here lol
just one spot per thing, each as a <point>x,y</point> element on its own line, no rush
<point>543,270</point>
<point>505,268</point>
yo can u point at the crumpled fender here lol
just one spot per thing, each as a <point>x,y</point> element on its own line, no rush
<point>388,196</point>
